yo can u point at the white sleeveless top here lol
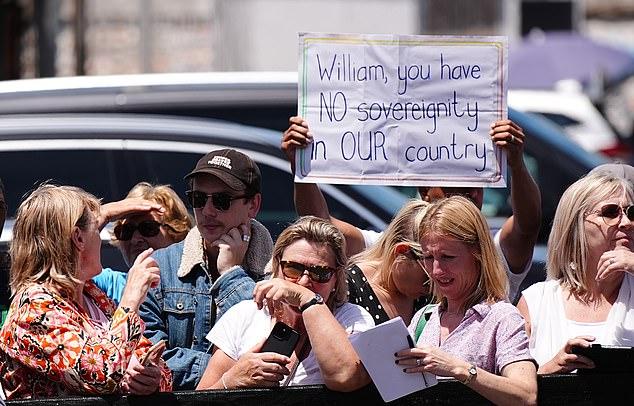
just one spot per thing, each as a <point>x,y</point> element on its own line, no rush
<point>550,329</point>
<point>580,328</point>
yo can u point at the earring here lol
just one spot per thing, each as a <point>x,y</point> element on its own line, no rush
<point>333,289</point>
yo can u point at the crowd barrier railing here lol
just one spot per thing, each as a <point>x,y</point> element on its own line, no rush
<point>555,390</point>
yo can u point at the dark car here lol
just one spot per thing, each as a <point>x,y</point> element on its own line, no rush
<point>107,154</point>
<point>268,99</point>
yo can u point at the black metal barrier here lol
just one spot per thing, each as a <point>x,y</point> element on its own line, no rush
<point>556,390</point>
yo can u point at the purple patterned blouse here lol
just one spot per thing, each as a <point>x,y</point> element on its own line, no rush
<point>490,336</point>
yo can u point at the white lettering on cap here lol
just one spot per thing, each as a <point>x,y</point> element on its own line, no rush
<point>220,161</point>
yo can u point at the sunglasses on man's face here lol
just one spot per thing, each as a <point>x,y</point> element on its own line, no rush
<point>611,213</point>
<point>316,273</point>
<point>148,228</point>
<point>220,200</point>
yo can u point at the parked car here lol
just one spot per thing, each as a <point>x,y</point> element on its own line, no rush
<point>261,99</point>
<point>107,154</point>
<point>578,117</point>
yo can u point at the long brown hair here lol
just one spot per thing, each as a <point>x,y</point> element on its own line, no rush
<point>42,250</point>
<point>457,218</point>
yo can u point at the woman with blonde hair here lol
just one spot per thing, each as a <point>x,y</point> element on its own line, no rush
<point>589,294</point>
<point>387,278</point>
<point>308,292</point>
<point>474,335</point>
<point>63,335</point>
<point>137,230</point>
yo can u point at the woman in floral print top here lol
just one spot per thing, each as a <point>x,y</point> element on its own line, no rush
<point>63,336</point>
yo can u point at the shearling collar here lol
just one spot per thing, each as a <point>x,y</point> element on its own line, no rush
<point>255,260</point>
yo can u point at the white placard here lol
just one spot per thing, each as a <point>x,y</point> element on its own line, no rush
<point>376,348</point>
<point>402,110</point>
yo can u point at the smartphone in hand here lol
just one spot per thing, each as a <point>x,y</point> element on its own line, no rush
<point>282,340</point>
<point>153,354</point>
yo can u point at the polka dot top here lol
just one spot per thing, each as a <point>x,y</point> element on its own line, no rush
<point>360,293</point>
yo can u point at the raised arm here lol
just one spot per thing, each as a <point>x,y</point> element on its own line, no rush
<point>309,200</point>
<point>339,364</point>
<point>520,231</point>
<point>115,210</point>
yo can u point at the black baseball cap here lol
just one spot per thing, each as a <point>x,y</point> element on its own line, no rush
<point>234,168</point>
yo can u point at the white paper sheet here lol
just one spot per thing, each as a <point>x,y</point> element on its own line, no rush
<point>376,348</point>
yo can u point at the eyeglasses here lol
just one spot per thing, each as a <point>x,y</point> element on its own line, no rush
<point>611,213</point>
<point>317,273</point>
<point>220,200</point>
<point>148,228</point>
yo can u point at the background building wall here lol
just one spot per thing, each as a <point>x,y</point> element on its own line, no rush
<point>136,36</point>
<point>262,35</point>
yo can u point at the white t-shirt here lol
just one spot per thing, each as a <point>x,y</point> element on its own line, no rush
<point>550,328</point>
<point>370,237</point>
<point>515,279</point>
<point>243,327</point>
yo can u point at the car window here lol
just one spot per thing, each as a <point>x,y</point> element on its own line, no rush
<point>560,119</point>
<point>110,174</point>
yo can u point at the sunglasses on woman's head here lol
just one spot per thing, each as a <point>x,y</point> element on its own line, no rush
<point>317,273</point>
<point>220,200</point>
<point>148,228</point>
<point>611,213</point>
<point>410,250</point>
<point>415,253</point>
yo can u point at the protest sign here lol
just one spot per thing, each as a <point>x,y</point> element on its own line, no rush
<point>402,110</point>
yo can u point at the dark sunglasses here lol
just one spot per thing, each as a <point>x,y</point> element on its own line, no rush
<point>295,270</point>
<point>611,213</point>
<point>148,228</point>
<point>220,200</point>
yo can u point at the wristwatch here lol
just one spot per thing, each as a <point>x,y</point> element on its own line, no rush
<point>316,300</point>
<point>472,373</point>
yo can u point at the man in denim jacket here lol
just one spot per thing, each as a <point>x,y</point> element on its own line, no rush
<point>213,268</point>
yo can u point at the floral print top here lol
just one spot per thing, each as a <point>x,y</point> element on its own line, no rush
<point>50,347</point>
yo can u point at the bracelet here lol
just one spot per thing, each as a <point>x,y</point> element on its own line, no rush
<point>222,379</point>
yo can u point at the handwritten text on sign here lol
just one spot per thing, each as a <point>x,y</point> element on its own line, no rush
<point>402,110</point>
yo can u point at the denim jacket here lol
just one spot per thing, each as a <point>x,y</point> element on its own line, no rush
<point>186,304</point>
